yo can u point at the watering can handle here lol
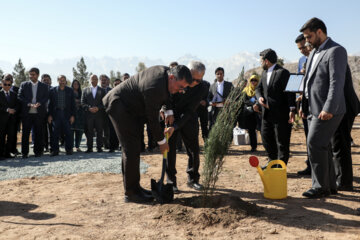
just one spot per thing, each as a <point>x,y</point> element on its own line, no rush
<point>273,162</point>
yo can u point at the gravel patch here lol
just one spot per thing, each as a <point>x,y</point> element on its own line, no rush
<point>63,164</point>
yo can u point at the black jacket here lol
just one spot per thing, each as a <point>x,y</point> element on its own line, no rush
<point>69,109</point>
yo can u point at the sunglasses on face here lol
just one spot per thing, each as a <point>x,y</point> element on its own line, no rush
<point>6,85</point>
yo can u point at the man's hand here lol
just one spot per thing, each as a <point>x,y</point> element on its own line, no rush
<point>256,108</point>
<point>325,115</point>
<point>291,117</point>
<point>162,115</point>
<point>170,131</point>
<point>301,114</point>
<point>203,103</point>
<point>169,120</point>
<point>164,147</point>
<point>262,103</point>
<point>92,110</point>
<point>213,104</point>
<point>37,105</point>
<point>72,119</point>
<point>50,119</point>
<point>11,111</point>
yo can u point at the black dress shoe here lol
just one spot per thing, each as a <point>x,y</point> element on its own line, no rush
<point>176,190</point>
<point>138,198</point>
<point>306,171</point>
<point>316,193</point>
<point>89,150</point>
<point>25,156</point>
<point>195,186</point>
<point>333,192</point>
<point>53,154</point>
<point>146,192</point>
<point>349,188</point>
<point>99,150</point>
<point>111,151</point>
<point>38,154</point>
<point>9,155</point>
<point>69,152</point>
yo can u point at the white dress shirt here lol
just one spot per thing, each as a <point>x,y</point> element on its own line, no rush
<point>94,90</point>
<point>268,74</point>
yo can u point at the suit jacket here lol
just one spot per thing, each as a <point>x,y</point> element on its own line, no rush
<point>107,89</point>
<point>5,104</point>
<point>326,79</point>
<point>69,109</point>
<point>351,99</point>
<point>25,97</point>
<point>279,101</point>
<point>142,96</point>
<point>213,90</point>
<point>184,105</point>
<point>87,100</point>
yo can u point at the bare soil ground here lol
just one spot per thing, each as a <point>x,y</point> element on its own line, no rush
<point>91,206</point>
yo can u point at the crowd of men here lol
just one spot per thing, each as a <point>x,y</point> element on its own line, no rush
<point>172,100</point>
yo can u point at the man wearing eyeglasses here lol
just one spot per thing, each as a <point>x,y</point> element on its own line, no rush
<point>182,107</point>
<point>8,106</point>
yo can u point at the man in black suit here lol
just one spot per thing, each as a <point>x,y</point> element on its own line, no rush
<point>61,115</point>
<point>182,107</point>
<point>278,107</point>
<point>8,106</point>
<point>203,113</point>
<point>45,78</point>
<point>91,100</point>
<point>33,96</point>
<point>105,84</point>
<point>218,93</point>
<point>140,97</point>
<point>341,141</point>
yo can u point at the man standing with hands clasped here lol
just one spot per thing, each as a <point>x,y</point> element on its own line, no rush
<point>324,92</point>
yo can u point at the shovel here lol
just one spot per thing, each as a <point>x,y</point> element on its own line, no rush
<point>163,193</point>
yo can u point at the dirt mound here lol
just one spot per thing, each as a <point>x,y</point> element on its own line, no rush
<point>222,210</point>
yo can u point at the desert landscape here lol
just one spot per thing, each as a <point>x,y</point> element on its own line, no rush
<point>91,205</point>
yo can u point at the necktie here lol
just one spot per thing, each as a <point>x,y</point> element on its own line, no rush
<point>7,96</point>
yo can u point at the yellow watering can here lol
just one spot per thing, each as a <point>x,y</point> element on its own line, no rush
<point>274,179</point>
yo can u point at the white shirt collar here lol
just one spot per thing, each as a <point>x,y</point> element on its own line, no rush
<point>271,68</point>
<point>34,84</point>
<point>221,83</point>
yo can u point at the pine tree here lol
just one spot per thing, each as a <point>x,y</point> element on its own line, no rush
<point>81,74</point>
<point>114,76</point>
<point>141,66</point>
<point>19,73</point>
<point>1,73</point>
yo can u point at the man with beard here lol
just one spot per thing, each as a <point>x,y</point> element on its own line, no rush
<point>140,97</point>
<point>183,107</point>
<point>278,107</point>
<point>324,94</point>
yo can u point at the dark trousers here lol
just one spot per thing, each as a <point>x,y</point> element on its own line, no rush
<point>341,147</point>
<point>276,139</point>
<point>128,129</point>
<point>189,133</point>
<point>253,139</point>
<point>47,131</point>
<point>213,115</point>
<point>114,141</point>
<point>7,136</point>
<point>306,130</point>
<point>106,132</point>
<point>320,152</point>
<point>94,121</point>
<point>203,114</point>
<point>61,124</point>
<point>35,122</point>
<point>78,137</point>
<point>17,121</point>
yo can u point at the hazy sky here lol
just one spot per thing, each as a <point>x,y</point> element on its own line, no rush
<point>41,31</point>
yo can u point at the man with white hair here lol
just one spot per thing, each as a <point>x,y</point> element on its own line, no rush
<point>181,113</point>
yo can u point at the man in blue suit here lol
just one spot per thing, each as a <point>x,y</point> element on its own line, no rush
<point>33,96</point>
<point>61,115</point>
<point>324,97</point>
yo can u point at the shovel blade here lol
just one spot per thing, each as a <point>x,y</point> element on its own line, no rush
<point>163,193</point>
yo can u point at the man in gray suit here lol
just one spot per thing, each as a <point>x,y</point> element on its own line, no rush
<point>324,97</point>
